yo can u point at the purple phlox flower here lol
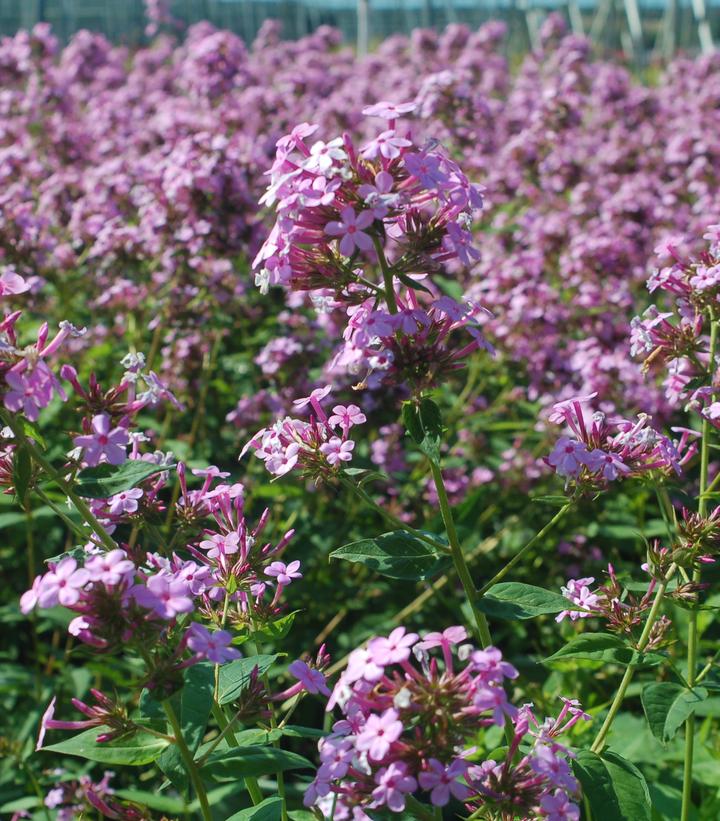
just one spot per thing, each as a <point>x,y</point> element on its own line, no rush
<point>63,584</point>
<point>545,761</point>
<point>110,568</point>
<point>388,111</point>
<point>427,168</point>
<point>378,734</point>
<point>12,283</point>
<point>579,593</point>
<point>125,501</point>
<point>558,807</point>
<point>335,450</point>
<point>394,784</point>
<point>336,756</point>
<point>379,197</point>
<point>214,646</point>
<point>103,442</point>
<point>164,594</point>
<point>460,242</point>
<point>312,680</point>
<point>361,665</point>
<point>568,457</point>
<point>323,155</point>
<point>387,144</point>
<point>392,650</point>
<point>489,664</point>
<point>221,544</point>
<point>284,573</point>
<point>495,700</point>
<point>351,228</point>
<point>609,464</point>
<point>442,781</point>
<point>347,416</point>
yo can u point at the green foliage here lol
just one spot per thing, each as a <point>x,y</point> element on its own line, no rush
<point>106,480</point>
<point>397,555</point>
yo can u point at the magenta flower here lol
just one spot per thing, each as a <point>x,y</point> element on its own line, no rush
<point>284,573</point>
<point>125,502</point>
<point>346,417</point>
<point>351,229</point>
<point>109,568</point>
<point>336,755</point>
<point>388,111</point>
<point>312,680</point>
<point>165,595</point>
<point>489,663</point>
<point>568,456</point>
<point>12,283</point>
<point>337,451</point>
<point>558,807</point>
<point>63,584</point>
<point>387,144</point>
<point>609,464</point>
<point>103,442</point>
<point>394,649</point>
<point>378,734</point>
<point>361,666</point>
<point>495,700</point>
<point>394,784</point>
<point>221,544</point>
<point>213,646</point>
<point>442,781</point>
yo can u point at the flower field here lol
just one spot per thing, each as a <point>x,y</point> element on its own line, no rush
<point>359,426</point>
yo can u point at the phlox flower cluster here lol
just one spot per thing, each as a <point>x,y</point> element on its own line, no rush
<point>72,798</point>
<point>412,710</point>
<point>598,451</point>
<point>317,448</point>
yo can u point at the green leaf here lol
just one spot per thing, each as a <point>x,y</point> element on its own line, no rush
<point>363,475</point>
<point>514,600</point>
<point>267,810</point>
<point>603,647</point>
<point>615,788</point>
<point>21,473</point>
<point>667,705</point>
<point>235,677</point>
<point>105,480</point>
<point>397,555</point>
<point>196,698</point>
<point>251,762</point>
<point>424,424</point>
<point>276,630</point>
<point>141,748</point>
<point>154,801</point>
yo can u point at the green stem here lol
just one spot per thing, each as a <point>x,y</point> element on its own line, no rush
<point>461,568</point>
<point>188,761</point>
<point>387,277</point>
<point>692,651</point>
<point>54,476</point>
<point>599,743</point>
<point>516,558</point>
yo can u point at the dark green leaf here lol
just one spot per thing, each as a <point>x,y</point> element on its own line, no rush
<point>603,647</point>
<point>514,600</point>
<point>614,788</point>
<point>267,810</point>
<point>397,555</point>
<point>667,705</point>
<point>105,480</point>
<point>141,748</point>
<point>250,762</point>
<point>235,677</point>
<point>154,801</point>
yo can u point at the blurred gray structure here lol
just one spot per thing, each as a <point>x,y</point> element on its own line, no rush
<point>639,28</point>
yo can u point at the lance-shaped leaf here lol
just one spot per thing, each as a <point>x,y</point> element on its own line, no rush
<point>397,555</point>
<point>105,480</point>
<point>514,600</point>
<point>667,705</point>
<point>615,789</point>
<point>138,749</point>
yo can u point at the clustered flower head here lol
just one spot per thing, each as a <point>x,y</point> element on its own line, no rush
<point>412,711</point>
<point>74,797</point>
<point>317,448</point>
<point>599,451</point>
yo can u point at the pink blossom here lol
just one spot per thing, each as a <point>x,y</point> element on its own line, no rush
<point>346,417</point>
<point>387,144</point>
<point>213,646</point>
<point>379,732</point>
<point>284,573</point>
<point>221,544</point>
<point>164,595</point>
<point>63,584</point>
<point>394,784</point>
<point>351,228</point>
<point>442,781</point>
<point>336,450</point>
<point>110,568</point>
<point>125,502</point>
<point>312,680</point>
<point>388,111</point>
<point>393,649</point>
<point>103,442</point>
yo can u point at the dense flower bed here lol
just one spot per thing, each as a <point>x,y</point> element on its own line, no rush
<point>381,284</point>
